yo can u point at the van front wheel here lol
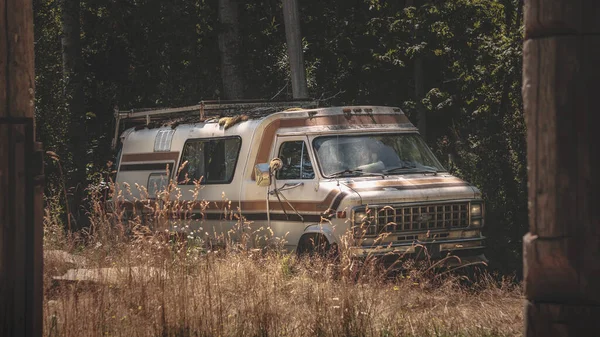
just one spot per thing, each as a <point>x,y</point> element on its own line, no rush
<point>315,244</point>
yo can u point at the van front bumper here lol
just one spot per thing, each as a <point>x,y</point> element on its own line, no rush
<point>464,250</point>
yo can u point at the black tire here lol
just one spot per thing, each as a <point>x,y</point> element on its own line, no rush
<point>316,245</point>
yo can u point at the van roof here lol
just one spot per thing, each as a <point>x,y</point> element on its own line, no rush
<point>236,112</point>
<point>230,119</point>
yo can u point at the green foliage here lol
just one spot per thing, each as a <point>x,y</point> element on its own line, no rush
<point>151,53</point>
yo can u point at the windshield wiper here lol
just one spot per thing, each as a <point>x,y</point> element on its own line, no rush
<point>413,169</point>
<point>428,171</point>
<point>399,168</point>
<point>354,172</point>
<point>347,172</point>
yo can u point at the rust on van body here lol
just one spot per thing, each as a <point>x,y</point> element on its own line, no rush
<point>152,156</point>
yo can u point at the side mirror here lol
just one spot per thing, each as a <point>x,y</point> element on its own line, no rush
<point>263,172</point>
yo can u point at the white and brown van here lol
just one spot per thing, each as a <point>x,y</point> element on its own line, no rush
<point>359,175</point>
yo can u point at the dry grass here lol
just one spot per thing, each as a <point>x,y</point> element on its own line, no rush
<point>166,287</point>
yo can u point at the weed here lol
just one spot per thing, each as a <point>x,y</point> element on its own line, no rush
<point>143,281</point>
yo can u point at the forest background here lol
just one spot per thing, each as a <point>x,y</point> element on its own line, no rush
<point>454,64</point>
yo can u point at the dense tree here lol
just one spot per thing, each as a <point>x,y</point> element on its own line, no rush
<point>152,53</point>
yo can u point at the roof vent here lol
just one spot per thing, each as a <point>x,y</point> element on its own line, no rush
<point>162,142</point>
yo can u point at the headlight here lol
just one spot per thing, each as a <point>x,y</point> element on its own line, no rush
<point>476,223</point>
<point>362,224</point>
<point>475,210</point>
<point>360,217</point>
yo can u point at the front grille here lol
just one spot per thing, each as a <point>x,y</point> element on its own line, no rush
<point>417,217</point>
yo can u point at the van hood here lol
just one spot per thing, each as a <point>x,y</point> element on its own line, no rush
<point>403,189</point>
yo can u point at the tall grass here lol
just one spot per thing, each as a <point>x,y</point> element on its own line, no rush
<point>145,283</point>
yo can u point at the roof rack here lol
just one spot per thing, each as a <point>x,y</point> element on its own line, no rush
<point>205,109</point>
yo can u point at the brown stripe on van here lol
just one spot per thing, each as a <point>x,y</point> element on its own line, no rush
<point>231,206</point>
<point>195,210</point>
<point>301,206</point>
<point>158,166</point>
<point>268,135</point>
<point>258,205</point>
<point>152,156</point>
<point>337,201</point>
<point>331,202</point>
<point>265,144</point>
<point>293,217</point>
<point>262,216</point>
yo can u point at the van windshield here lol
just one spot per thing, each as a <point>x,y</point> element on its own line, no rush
<point>374,154</point>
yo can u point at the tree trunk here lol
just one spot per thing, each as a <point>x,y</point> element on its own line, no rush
<point>561,81</point>
<point>20,177</point>
<point>230,49</point>
<point>75,102</point>
<point>293,37</point>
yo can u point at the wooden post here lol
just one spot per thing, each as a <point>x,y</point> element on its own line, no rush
<point>20,177</point>
<point>291,17</point>
<point>561,86</point>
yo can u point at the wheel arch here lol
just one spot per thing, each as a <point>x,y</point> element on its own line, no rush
<point>323,230</point>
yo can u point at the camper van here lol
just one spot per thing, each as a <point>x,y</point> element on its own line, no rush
<point>358,178</point>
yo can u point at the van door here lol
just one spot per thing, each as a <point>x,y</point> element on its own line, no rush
<point>206,178</point>
<point>298,201</point>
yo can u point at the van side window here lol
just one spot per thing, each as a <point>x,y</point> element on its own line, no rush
<point>296,162</point>
<point>157,182</point>
<point>212,160</point>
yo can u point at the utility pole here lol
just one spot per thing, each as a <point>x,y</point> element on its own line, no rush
<point>419,78</point>
<point>230,48</point>
<point>561,252</point>
<point>293,36</point>
<point>21,177</point>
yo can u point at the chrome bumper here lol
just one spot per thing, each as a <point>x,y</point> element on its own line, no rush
<point>464,248</point>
